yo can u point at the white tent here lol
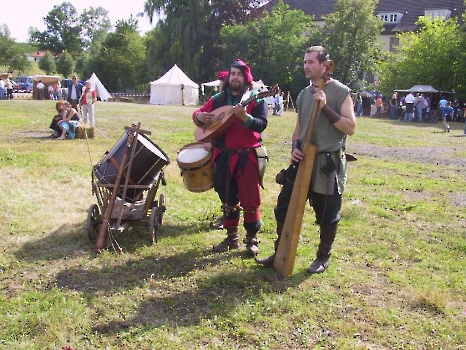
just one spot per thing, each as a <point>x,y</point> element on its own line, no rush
<point>97,85</point>
<point>174,88</point>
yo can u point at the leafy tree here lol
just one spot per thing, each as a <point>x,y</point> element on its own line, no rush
<point>431,56</point>
<point>63,30</point>
<point>189,32</point>
<point>19,61</point>
<point>181,27</point>
<point>66,30</point>
<point>121,63</point>
<point>65,64</point>
<point>351,36</point>
<point>221,14</point>
<point>95,25</point>
<point>13,55</point>
<point>47,63</point>
<point>273,46</point>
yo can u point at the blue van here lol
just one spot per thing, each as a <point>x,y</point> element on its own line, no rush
<point>25,83</point>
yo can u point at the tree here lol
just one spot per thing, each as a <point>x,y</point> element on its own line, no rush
<point>221,13</point>
<point>13,55</point>
<point>273,46</point>
<point>47,63</point>
<point>190,30</point>
<point>63,30</point>
<point>121,63</point>
<point>433,55</point>
<point>65,64</point>
<point>351,36</point>
<point>66,30</point>
<point>95,24</point>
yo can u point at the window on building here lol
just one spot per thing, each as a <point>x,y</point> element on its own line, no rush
<point>391,17</point>
<point>439,13</point>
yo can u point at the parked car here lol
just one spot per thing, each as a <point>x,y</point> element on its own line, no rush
<point>25,83</point>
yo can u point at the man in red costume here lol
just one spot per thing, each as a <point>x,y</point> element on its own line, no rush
<point>237,179</point>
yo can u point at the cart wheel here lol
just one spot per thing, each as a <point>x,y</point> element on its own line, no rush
<point>162,207</point>
<point>94,221</point>
<point>154,224</point>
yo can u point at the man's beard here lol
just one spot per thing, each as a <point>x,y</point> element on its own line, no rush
<point>237,87</point>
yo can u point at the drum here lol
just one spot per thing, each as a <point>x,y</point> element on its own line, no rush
<point>148,161</point>
<point>196,167</point>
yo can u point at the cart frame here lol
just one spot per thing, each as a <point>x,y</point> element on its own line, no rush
<point>108,219</point>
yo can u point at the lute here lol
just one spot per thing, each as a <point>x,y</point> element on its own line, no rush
<point>224,117</point>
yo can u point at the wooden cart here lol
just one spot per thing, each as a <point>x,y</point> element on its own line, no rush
<point>126,195</point>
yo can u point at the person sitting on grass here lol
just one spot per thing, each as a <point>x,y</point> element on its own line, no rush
<point>70,121</point>
<point>56,119</point>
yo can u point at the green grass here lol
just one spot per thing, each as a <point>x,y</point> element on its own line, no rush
<point>396,279</point>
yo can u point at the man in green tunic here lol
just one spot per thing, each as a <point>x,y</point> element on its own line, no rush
<point>335,121</point>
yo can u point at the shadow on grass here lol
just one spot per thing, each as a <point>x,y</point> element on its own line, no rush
<point>69,240</point>
<point>175,298</point>
<point>177,295</point>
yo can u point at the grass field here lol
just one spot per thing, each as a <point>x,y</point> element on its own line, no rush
<point>396,280</point>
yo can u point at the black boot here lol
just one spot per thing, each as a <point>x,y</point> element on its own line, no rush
<point>327,236</point>
<point>251,240</point>
<point>268,262</point>
<point>229,243</point>
<point>252,245</point>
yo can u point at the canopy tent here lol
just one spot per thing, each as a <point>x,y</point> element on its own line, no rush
<point>5,76</point>
<point>97,85</point>
<point>174,88</point>
<point>423,89</point>
<point>256,85</point>
<point>46,80</point>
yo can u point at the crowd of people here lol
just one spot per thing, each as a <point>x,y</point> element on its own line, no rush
<point>413,107</point>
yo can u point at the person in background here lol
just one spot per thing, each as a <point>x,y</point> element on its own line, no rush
<point>40,90</point>
<point>280,104</point>
<point>456,106</point>
<point>50,91</point>
<point>9,89</point>
<point>448,115</point>
<point>427,97</point>
<point>2,89</point>
<point>235,157</point>
<point>409,100</point>
<point>393,105</point>
<point>373,108</point>
<point>57,90</point>
<point>422,106</point>
<point>358,102</point>
<point>378,106</point>
<point>75,90</point>
<point>441,106</point>
<point>335,121</point>
<point>88,99</point>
